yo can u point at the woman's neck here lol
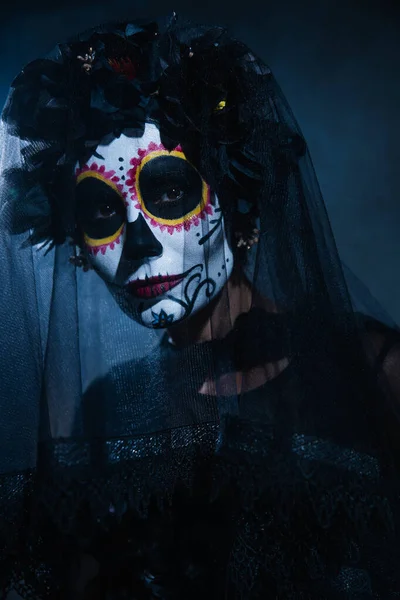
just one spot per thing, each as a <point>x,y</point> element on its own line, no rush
<point>215,321</point>
<point>218,317</point>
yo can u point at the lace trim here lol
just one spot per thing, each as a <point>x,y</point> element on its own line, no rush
<point>296,510</point>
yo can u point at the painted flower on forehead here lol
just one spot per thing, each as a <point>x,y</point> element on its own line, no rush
<point>177,178</point>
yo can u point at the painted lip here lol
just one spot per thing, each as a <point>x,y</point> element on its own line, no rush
<point>151,287</point>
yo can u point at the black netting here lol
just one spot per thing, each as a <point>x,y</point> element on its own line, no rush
<point>196,400</point>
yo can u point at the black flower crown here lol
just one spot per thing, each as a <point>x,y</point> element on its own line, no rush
<point>201,87</point>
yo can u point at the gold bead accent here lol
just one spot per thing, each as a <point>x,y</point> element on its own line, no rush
<point>87,60</point>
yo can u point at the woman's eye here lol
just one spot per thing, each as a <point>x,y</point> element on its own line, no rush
<point>172,195</point>
<point>105,211</point>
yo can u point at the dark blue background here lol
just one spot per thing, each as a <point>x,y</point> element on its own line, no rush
<point>338,62</point>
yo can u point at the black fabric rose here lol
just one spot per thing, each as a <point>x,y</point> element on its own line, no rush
<point>204,90</point>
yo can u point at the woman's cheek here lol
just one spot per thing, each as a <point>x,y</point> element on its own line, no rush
<point>105,258</point>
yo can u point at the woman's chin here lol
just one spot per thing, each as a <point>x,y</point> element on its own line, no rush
<point>162,314</point>
<point>152,313</point>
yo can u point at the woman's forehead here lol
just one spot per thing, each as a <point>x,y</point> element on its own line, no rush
<point>124,148</point>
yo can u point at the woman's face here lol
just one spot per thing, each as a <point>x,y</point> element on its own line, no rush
<point>152,229</point>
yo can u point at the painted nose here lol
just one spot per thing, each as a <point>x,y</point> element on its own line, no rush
<point>140,243</point>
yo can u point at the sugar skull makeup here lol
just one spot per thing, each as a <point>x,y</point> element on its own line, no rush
<point>152,229</point>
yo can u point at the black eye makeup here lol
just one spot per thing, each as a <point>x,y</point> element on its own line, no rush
<point>100,208</point>
<point>169,188</point>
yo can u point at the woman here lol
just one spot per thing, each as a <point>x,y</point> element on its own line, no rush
<point>216,421</point>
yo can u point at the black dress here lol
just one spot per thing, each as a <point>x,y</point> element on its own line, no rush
<point>240,498</point>
<point>141,487</point>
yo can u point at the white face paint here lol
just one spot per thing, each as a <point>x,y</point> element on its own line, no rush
<point>153,229</point>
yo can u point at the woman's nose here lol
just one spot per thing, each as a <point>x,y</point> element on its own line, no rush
<point>140,243</point>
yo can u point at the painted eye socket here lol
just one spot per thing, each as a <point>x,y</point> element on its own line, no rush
<point>169,189</point>
<point>105,211</point>
<point>100,208</point>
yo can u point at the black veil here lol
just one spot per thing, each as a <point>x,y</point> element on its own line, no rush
<point>135,462</point>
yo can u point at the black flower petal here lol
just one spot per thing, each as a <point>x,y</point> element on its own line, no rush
<point>176,76</point>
